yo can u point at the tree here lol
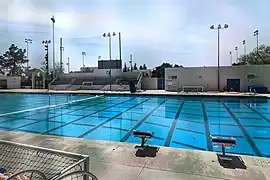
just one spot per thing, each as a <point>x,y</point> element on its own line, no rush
<point>57,67</point>
<point>262,57</point>
<point>12,61</point>
<point>176,65</point>
<point>135,66</point>
<point>125,67</point>
<point>144,66</point>
<point>141,67</point>
<point>160,70</point>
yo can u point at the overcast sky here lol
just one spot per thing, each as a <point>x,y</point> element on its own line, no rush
<point>154,31</point>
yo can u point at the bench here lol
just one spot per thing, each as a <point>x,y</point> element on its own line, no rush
<point>224,143</point>
<point>144,136</point>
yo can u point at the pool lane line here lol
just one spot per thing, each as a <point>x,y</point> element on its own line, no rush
<point>170,133</point>
<point>88,115</point>
<point>206,127</point>
<point>48,106</point>
<point>140,122</point>
<point>243,130</point>
<point>189,146</point>
<point>156,124</point>
<point>37,120</point>
<point>57,115</point>
<point>193,121</point>
<point>257,112</point>
<point>108,120</point>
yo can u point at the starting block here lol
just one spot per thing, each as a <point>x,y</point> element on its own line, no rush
<point>144,136</point>
<point>224,143</point>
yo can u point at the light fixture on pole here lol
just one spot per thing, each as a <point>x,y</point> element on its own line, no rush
<point>46,44</point>
<point>236,54</point>
<point>245,49</point>
<point>256,33</point>
<point>109,35</point>
<point>68,65</point>
<point>53,22</point>
<point>27,41</point>
<point>83,55</point>
<point>231,56</point>
<point>218,28</point>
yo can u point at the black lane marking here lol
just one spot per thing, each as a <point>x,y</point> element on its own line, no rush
<point>263,138</point>
<point>217,124</point>
<point>190,114</point>
<point>140,122</point>
<point>193,121</point>
<point>170,134</point>
<point>207,130</point>
<point>197,132</point>
<point>156,124</point>
<point>243,130</point>
<point>87,115</point>
<point>101,124</point>
<point>116,128</point>
<point>257,112</point>
<point>190,146</point>
<point>229,136</point>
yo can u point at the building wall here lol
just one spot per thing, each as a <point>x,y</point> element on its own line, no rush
<point>13,82</point>
<point>207,77</point>
<point>149,83</point>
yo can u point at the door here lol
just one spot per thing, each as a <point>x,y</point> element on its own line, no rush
<point>3,84</point>
<point>161,84</point>
<point>233,85</point>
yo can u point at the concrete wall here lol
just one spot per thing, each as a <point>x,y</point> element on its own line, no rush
<point>13,82</point>
<point>207,77</point>
<point>149,83</point>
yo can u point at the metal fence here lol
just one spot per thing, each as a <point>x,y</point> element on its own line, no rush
<point>30,162</point>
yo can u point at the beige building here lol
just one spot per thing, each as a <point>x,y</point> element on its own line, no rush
<point>244,76</point>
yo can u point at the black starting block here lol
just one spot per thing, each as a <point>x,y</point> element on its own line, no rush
<point>144,136</point>
<point>224,143</point>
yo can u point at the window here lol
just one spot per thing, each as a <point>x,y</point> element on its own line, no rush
<point>174,77</point>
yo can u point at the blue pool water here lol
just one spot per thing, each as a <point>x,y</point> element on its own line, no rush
<point>181,122</point>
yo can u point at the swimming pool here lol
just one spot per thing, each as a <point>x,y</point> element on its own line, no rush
<point>181,122</point>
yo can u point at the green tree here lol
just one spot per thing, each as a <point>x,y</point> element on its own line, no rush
<point>160,70</point>
<point>57,67</point>
<point>135,66</point>
<point>125,67</point>
<point>262,57</point>
<point>140,67</point>
<point>12,61</point>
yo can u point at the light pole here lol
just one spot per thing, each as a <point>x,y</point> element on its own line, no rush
<point>53,21</point>
<point>231,56</point>
<point>245,49</point>
<point>236,54</point>
<point>46,44</point>
<point>256,33</point>
<point>110,53</point>
<point>83,55</point>
<point>61,55</point>
<point>68,64</point>
<point>218,28</point>
<point>27,41</point>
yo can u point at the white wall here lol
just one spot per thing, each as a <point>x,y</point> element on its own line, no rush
<point>149,83</point>
<point>13,82</point>
<point>207,77</point>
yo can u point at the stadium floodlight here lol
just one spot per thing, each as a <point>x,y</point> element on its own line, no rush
<point>218,28</point>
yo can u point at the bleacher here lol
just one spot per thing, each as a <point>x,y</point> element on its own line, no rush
<point>93,82</point>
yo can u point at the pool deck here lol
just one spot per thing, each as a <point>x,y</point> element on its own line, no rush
<point>117,161</point>
<point>147,92</point>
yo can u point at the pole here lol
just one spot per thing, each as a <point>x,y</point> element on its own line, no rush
<point>110,54</point>
<point>120,48</point>
<point>245,51</point>
<point>61,55</point>
<point>218,60</point>
<point>53,54</point>
<point>236,53</point>
<point>68,65</point>
<point>130,61</point>
<point>257,43</point>
<point>27,64</point>
<point>231,57</point>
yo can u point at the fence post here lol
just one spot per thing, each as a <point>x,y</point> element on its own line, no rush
<point>86,167</point>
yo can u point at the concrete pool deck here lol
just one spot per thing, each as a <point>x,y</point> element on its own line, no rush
<point>117,161</point>
<point>147,92</point>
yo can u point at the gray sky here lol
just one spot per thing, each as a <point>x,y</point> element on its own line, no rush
<point>154,31</point>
